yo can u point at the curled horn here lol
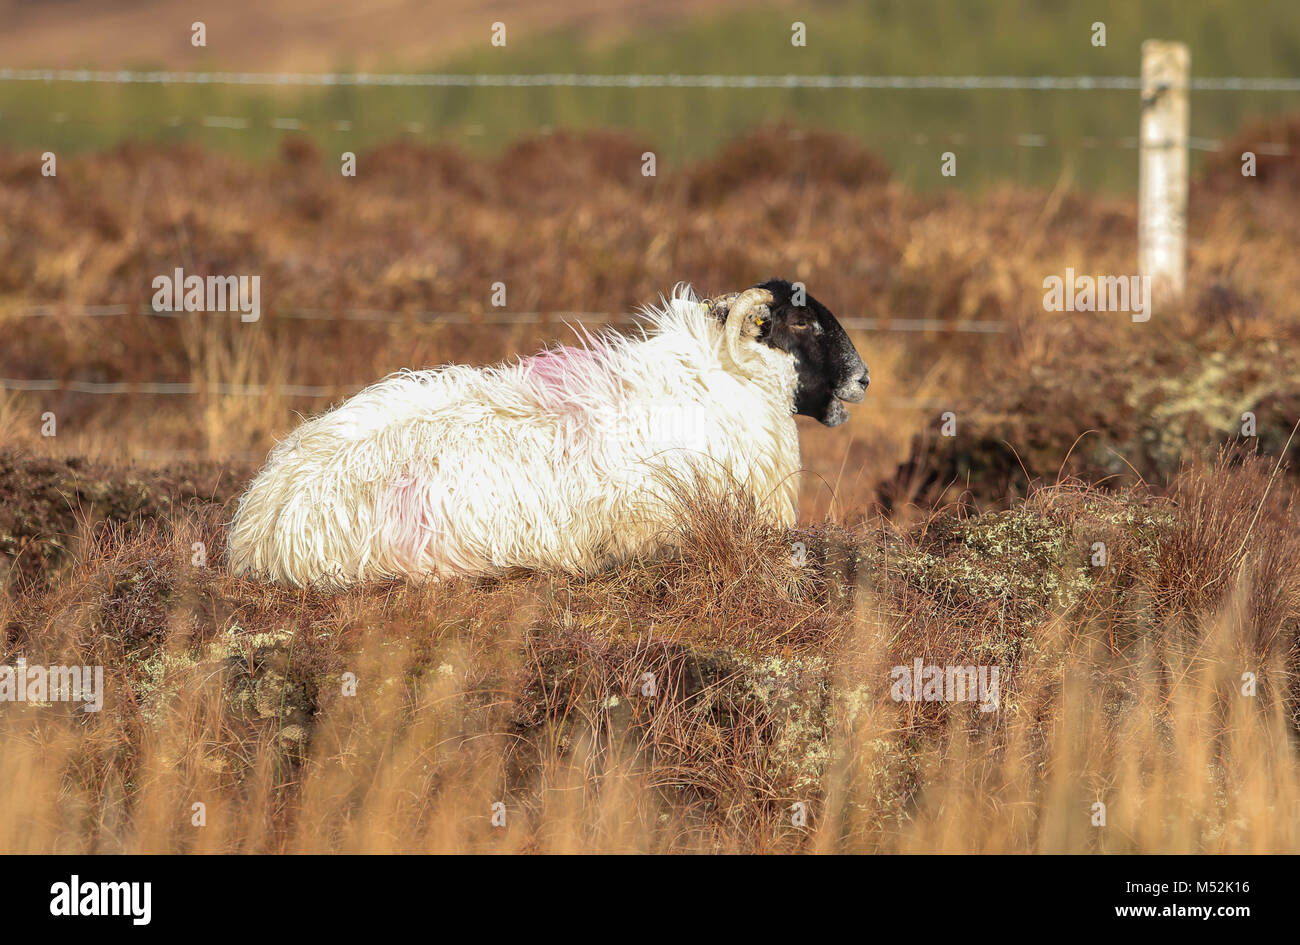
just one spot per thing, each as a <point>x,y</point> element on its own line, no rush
<point>750,306</point>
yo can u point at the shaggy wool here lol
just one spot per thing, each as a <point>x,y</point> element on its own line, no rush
<point>561,461</point>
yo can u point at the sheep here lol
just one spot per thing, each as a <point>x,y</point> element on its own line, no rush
<point>556,461</point>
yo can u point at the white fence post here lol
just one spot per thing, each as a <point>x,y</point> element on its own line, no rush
<point>1162,169</point>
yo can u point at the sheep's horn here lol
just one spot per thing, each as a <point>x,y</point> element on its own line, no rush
<point>744,305</point>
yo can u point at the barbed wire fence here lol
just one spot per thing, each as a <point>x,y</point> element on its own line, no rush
<point>175,388</point>
<point>852,323</point>
<point>642,81</point>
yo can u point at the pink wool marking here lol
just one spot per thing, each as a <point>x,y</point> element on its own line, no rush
<point>555,368</point>
<point>566,380</point>
<point>409,524</point>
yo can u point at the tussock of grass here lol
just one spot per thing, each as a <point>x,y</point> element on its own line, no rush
<point>687,702</point>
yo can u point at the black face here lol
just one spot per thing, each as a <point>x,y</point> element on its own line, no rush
<point>829,369</point>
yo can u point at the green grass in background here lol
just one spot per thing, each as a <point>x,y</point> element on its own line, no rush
<point>948,37</point>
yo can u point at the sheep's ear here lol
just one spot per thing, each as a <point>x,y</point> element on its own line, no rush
<point>755,319</point>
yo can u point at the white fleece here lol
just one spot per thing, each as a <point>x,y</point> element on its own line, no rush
<point>553,462</point>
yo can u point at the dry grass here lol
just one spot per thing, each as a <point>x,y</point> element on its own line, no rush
<point>771,687</point>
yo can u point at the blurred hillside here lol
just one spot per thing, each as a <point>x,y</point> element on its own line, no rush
<point>297,35</point>
<point>1032,137</point>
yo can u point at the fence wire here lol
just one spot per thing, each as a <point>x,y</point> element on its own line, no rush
<point>642,80</point>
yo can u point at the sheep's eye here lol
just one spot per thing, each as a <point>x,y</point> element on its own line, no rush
<point>801,322</point>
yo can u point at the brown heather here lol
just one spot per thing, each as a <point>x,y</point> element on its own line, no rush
<point>684,703</point>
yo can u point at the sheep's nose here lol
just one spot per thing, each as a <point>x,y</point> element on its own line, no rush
<point>853,390</point>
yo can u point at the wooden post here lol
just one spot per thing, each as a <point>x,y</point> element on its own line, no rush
<point>1162,169</point>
